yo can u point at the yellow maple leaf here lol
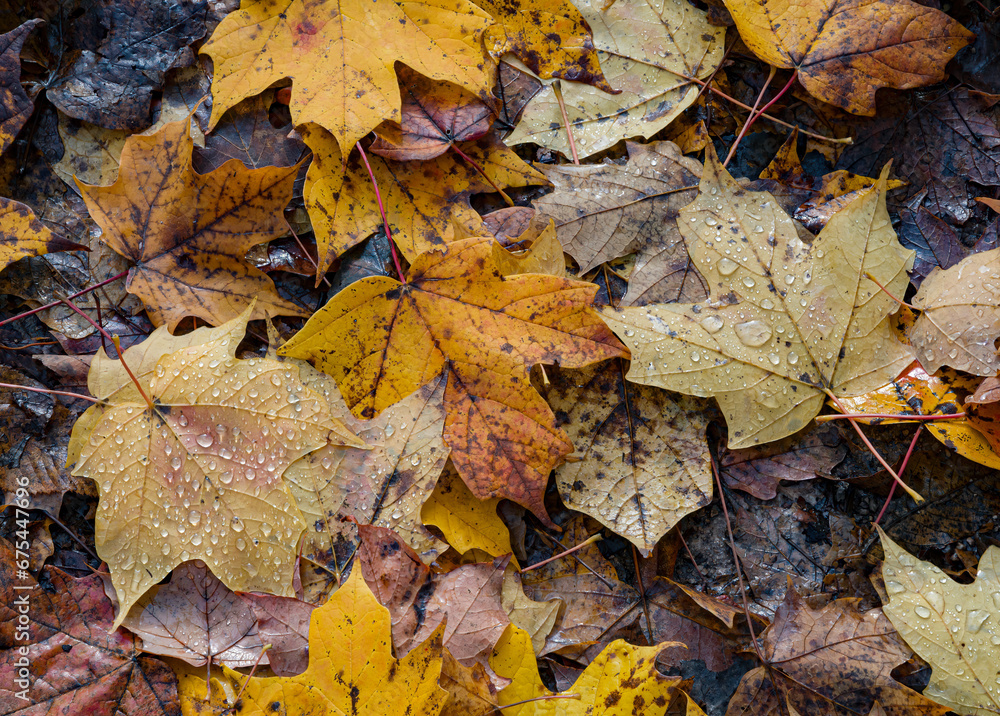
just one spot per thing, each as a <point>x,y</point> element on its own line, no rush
<point>340,56</point>
<point>351,669</point>
<point>381,340</point>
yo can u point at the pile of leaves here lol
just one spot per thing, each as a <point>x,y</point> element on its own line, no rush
<point>468,357</point>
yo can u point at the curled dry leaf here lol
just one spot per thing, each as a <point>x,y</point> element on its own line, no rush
<point>211,447</point>
<point>830,661</point>
<point>423,201</point>
<point>381,339</point>
<point>188,233</point>
<point>647,51</point>
<point>77,662</point>
<point>551,38</point>
<point>542,252</point>
<point>536,618</point>
<point>787,321</point>
<point>643,460</point>
<point>621,681</point>
<point>845,50</point>
<point>604,211</point>
<point>466,600</point>
<point>351,669</point>
<point>954,627</point>
<point>960,318</point>
<point>435,116</point>
<point>385,482</point>
<point>340,56</point>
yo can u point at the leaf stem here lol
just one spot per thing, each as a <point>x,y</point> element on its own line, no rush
<point>381,208</point>
<point>68,298</point>
<point>539,698</point>
<point>871,448</point>
<point>118,347</point>
<point>887,293</point>
<point>772,71</point>
<point>315,265</point>
<point>475,165</point>
<point>902,467</point>
<point>254,669</point>
<point>557,88</point>
<point>590,540</point>
<point>888,416</point>
<point>754,114</point>
<point>47,391</point>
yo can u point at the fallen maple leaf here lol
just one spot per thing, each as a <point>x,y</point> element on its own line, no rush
<point>423,200</point>
<point>211,447</point>
<point>935,240</point>
<point>621,681</point>
<point>466,600</point>
<point>466,522</point>
<point>381,340</point>
<point>644,463</point>
<point>954,627</point>
<point>435,116</point>
<point>551,38</point>
<point>76,662</point>
<point>647,51</point>
<point>187,233</point>
<point>604,211</point>
<point>540,251</point>
<point>835,660</point>
<point>470,691</point>
<point>340,56</point>
<point>787,321</point>
<point>536,618</point>
<point>845,50</point>
<point>351,669</point>
<point>960,316</point>
<point>384,482</point>
<point>15,106</point>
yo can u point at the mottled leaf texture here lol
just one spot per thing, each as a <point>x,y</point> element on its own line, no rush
<point>381,340</point>
<point>787,321</point>
<point>351,669</point>
<point>647,49</point>
<point>604,211</point>
<point>466,522</point>
<point>466,600</point>
<point>960,318</point>
<point>76,662</point>
<point>385,482</point>
<point>643,464</point>
<point>188,233</point>
<point>340,56</point>
<point>550,37</point>
<point>113,87</point>
<point>845,50</point>
<point>435,115</point>
<point>834,661</point>
<point>954,627</point>
<point>15,106</point>
<point>983,409</point>
<point>22,234</point>
<point>424,201</point>
<point>621,681</point>
<point>195,618</point>
<point>198,474</point>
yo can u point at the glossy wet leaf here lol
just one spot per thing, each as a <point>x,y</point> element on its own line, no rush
<point>960,318</point>
<point>351,668</point>
<point>188,233</point>
<point>646,49</point>
<point>340,56</point>
<point>15,106</point>
<point>954,627</point>
<point>786,321</point>
<point>845,50</point>
<point>211,450</point>
<point>381,340</point>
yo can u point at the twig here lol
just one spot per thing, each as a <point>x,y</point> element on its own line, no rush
<point>475,165</point>
<point>308,255</point>
<point>47,391</point>
<point>754,115</point>
<point>902,467</point>
<point>68,298</point>
<point>590,540</point>
<point>887,416</point>
<point>381,208</point>
<point>250,676</point>
<point>539,698</point>
<point>557,88</point>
